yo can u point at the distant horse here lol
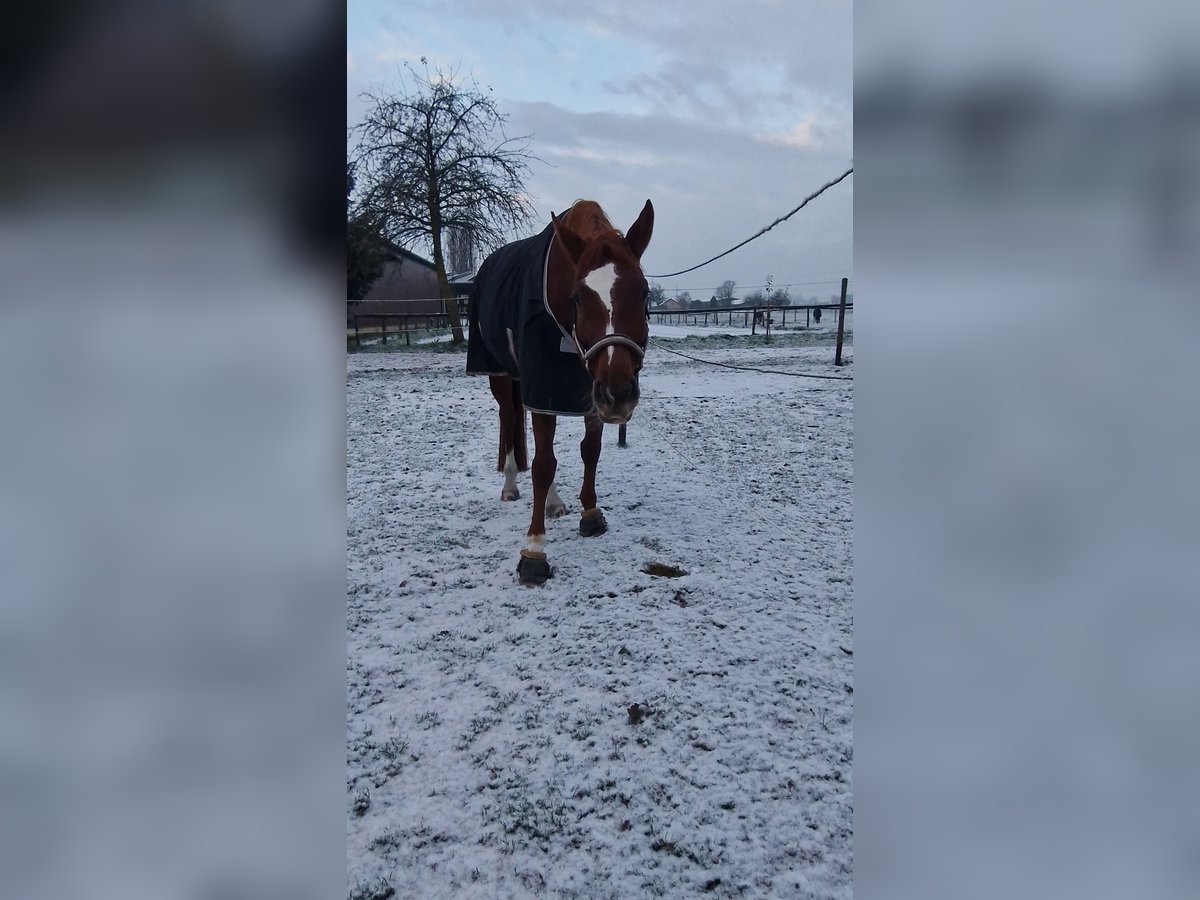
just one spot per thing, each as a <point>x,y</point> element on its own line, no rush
<point>559,322</point>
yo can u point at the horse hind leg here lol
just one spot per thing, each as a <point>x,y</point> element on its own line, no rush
<point>520,444</point>
<point>510,491</point>
<point>554,505</point>
<point>512,455</point>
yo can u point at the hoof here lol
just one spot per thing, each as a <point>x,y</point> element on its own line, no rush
<point>593,523</point>
<point>532,569</point>
<point>514,494</point>
<point>554,511</point>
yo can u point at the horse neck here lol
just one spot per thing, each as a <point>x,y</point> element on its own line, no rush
<point>560,277</point>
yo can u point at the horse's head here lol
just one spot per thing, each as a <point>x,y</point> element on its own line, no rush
<point>609,293</point>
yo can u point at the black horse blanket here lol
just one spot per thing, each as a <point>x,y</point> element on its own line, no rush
<point>512,331</point>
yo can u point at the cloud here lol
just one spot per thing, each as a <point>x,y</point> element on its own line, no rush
<point>702,57</point>
<point>712,187</point>
<point>800,135</point>
<point>625,156</point>
<point>725,118</point>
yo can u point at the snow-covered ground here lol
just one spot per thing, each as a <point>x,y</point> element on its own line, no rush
<point>493,751</point>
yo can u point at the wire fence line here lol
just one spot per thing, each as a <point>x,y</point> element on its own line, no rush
<point>750,368</point>
<point>763,231</point>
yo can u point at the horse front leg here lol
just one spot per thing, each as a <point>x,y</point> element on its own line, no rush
<point>533,569</point>
<point>592,521</point>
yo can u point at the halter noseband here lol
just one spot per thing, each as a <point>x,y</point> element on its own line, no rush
<point>608,340</point>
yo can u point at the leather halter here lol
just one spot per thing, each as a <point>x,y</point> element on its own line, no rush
<point>609,340</point>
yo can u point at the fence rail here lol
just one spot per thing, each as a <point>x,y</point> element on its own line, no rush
<point>749,317</point>
<point>362,323</point>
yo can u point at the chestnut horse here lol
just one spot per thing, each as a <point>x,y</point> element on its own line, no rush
<point>559,322</point>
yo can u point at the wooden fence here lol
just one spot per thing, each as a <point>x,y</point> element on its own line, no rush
<point>366,323</point>
<point>752,317</point>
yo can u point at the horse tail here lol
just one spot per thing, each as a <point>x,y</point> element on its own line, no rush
<point>520,448</point>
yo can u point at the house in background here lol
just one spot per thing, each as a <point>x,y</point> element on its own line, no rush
<point>462,283</point>
<point>407,289</point>
<point>408,283</point>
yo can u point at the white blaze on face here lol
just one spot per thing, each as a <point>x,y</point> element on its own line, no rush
<point>601,281</point>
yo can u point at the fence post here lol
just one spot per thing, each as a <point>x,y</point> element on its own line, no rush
<point>837,361</point>
<point>383,328</point>
<point>357,343</point>
<point>807,313</point>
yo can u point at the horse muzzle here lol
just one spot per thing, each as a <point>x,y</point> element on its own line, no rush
<point>615,406</point>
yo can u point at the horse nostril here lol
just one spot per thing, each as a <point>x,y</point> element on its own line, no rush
<point>624,394</point>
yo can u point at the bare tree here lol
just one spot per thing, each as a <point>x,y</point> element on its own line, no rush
<point>462,251</point>
<point>433,160</point>
<point>725,292</point>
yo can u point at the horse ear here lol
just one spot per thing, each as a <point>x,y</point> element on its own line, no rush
<point>638,236</point>
<point>571,242</point>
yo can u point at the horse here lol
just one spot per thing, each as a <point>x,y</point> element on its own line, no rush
<point>559,323</point>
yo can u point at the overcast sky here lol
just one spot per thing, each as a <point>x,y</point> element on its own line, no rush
<point>725,114</point>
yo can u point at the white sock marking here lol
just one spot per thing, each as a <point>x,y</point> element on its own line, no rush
<point>510,471</point>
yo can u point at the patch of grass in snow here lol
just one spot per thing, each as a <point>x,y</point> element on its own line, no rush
<point>539,818</point>
<point>393,748</point>
<point>429,719</point>
<point>504,701</point>
<point>663,570</point>
<point>379,889</point>
<point>362,801</point>
<point>477,726</point>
